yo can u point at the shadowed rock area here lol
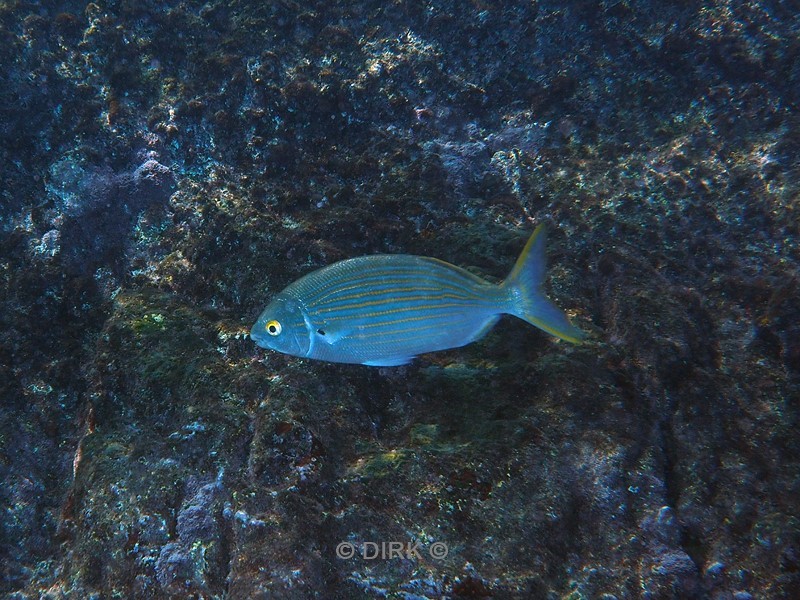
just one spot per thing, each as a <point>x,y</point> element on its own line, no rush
<point>168,166</point>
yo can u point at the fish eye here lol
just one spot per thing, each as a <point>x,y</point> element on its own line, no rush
<point>273,327</point>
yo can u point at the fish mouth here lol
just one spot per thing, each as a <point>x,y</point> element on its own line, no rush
<point>258,337</point>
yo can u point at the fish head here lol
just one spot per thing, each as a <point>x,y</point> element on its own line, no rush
<point>283,327</point>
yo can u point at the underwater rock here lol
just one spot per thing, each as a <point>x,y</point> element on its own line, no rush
<point>96,207</point>
<point>467,163</point>
<point>193,561</point>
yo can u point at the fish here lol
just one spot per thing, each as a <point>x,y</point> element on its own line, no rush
<point>384,310</point>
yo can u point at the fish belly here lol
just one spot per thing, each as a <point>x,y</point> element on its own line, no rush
<point>393,341</point>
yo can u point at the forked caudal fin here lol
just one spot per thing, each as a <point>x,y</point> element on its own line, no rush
<point>527,300</point>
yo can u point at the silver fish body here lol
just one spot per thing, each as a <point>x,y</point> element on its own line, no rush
<point>383,310</point>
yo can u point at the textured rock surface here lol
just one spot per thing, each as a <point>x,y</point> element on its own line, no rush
<point>168,166</point>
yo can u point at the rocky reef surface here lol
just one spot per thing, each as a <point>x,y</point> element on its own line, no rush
<point>167,166</point>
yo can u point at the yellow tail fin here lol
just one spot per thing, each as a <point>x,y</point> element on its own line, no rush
<point>527,300</point>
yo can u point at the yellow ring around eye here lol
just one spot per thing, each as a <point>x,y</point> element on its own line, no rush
<point>273,327</point>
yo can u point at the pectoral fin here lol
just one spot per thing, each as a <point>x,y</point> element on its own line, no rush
<point>330,336</point>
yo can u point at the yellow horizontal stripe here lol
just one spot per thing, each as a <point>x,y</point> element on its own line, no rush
<point>405,330</point>
<point>391,295</point>
<point>401,309</point>
<point>407,283</point>
<point>369,292</point>
<point>360,271</point>
<point>390,300</point>
<point>439,317</point>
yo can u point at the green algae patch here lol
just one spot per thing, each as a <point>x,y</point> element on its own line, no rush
<point>154,348</point>
<point>428,437</point>
<point>150,323</point>
<point>423,434</point>
<point>381,464</point>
